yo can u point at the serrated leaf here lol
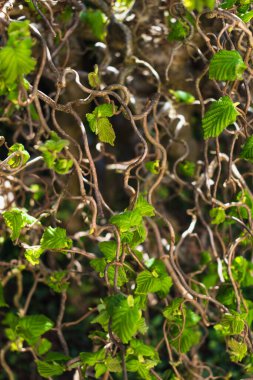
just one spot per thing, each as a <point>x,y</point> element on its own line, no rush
<point>247,149</point>
<point>227,65</point>
<point>220,115</point>
<point>124,321</point>
<point>47,370</point>
<point>16,219</point>
<point>100,124</point>
<point>55,238</point>
<point>147,282</point>
<point>246,17</point>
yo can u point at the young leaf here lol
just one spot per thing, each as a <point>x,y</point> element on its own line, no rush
<point>33,254</point>
<point>237,350</point>
<point>126,220</point>
<point>100,124</point>
<point>105,131</point>
<point>143,207</point>
<point>247,149</point>
<point>226,65</point>
<point>93,78</point>
<point>198,5</point>
<point>230,324</point>
<point>220,115</point>
<point>182,96</point>
<point>153,166</point>
<point>53,156</point>
<point>55,238</point>
<point>16,219</point>
<point>47,370</point>
<point>21,157</point>
<point>218,215</point>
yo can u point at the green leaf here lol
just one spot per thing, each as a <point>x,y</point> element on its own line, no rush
<point>15,56</point>
<point>198,5</point>
<point>182,96</point>
<point>57,281</point>
<point>246,17</point>
<point>91,358</point>
<point>54,144</point>
<point>43,346</point>
<point>93,78</point>
<point>55,238</point>
<point>218,215</point>
<point>96,21</point>
<point>124,320</point>
<point>33,326</point>
<point>226,65</point>
<point>16,219</point>
<point>187,168</point>
<point>53,156</point>
<point>178,30</point>
<point>47,370</point>
<point>227,4</point>
<point>188,339</point>
<point>153,166</point>
<point>152,282</point>
<point>237,350</point>
<point>126,220</point>
<point>220,115</point>
<point>21,157</point>
<point>109,248</point>
<point>247,149</point>
<point>100,124</point>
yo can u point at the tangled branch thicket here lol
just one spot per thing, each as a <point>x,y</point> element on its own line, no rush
<point>126,189</point>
